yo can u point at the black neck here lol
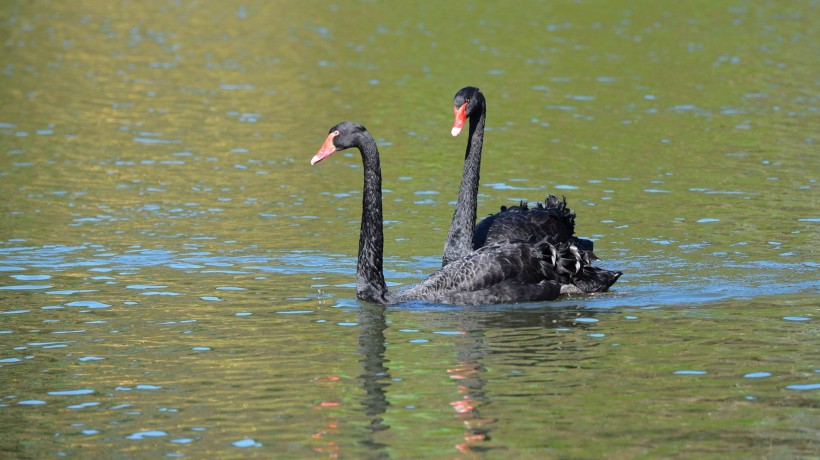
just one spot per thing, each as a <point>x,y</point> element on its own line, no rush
<point>370,283</point>
<point>460,237</point>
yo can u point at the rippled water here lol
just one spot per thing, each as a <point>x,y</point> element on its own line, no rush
<point>176,280</point>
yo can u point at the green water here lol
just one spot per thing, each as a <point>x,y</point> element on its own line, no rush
<point>177,281</point>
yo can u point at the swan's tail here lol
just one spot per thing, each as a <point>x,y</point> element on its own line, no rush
<point>567,264</point>
<point>594,279</point>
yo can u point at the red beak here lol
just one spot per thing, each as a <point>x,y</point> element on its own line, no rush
<point>461,115</point>
<point>326,150</point>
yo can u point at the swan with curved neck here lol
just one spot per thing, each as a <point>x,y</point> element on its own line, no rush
<point>552,219</point>
<point>462,229</point>
<point>497,273</point>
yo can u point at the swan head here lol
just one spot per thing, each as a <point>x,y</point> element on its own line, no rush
<point>465,103</point>
<point>340,137</point>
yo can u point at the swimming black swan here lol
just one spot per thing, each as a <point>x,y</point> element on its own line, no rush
<point>497,273</point>
<point>552,219</point>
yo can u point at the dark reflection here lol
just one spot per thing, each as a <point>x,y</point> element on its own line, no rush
<point>375,374</point>
<point>468,371</point>
<point>512,317</point>
<point>469,374</point>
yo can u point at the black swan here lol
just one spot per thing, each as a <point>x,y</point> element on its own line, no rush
<point>552,219</point>
<point>497,273</point>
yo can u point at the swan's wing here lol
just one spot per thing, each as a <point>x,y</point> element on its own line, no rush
<point>518,262</point>
<point>507,225</point>
<point>551,219</point>
<point>512,272</point>
<point>506,292</point>
<point>504,272</point>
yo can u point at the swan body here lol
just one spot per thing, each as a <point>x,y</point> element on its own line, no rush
<point>522,222</point>
<point>551,220</point>
<point>501,272</point>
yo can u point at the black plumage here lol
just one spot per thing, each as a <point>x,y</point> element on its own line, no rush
<point>552,220</point>
<point>498,273</point>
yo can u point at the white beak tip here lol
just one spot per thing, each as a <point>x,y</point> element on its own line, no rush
<point>455,131</point>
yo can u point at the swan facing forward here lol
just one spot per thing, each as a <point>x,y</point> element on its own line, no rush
<point>551,220</point>
<point>498,273</point>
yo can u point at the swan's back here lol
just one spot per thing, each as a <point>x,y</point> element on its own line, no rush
<point>551,219</point>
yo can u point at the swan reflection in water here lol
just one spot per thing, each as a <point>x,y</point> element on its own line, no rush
<point>483,333</point>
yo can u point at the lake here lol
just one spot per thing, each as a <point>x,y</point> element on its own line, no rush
<point>176,279</point>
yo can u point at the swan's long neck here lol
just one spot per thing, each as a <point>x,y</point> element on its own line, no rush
<point>370,283</point>
<point>460,237</point>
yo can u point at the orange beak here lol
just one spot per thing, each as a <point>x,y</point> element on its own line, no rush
<point>461,115</point>
<point>326,150</point>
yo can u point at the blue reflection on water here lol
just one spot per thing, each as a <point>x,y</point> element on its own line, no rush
<point>647,281</point>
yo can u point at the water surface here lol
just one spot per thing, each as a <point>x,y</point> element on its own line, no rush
<point>176,280</point>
